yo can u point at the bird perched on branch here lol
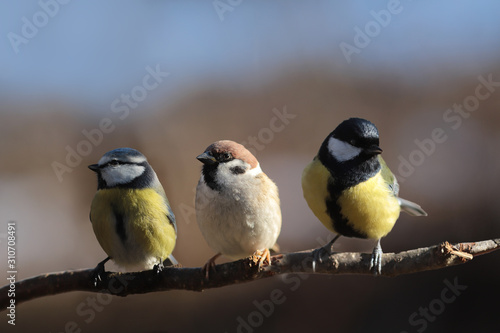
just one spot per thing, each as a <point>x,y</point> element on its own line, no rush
<point>351,190</point>
<point>130,213</point>
<point>237,205</point>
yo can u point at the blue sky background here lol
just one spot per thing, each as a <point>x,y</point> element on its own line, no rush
<point>92,51</point>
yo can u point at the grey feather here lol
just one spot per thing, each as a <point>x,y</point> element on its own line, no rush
<point>411,208</point>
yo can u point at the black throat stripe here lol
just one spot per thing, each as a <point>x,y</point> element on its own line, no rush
<point>209,172</point>
<point>120,225</point>
<point>340,223</point>
<point>346,175</point>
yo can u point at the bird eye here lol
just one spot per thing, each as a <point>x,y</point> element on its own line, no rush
<point>114,163</point>
<point>352,142</point>
<point>226,156</point>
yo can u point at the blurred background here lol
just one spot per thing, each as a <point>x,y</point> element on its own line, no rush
<point>170,77</point>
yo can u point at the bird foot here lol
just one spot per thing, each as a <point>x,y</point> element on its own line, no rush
<point>158,267</point>
<point>376,259</point>
<point>209,266</point>
<point>261,257</point>
<point>98,271</point>
<point>323,252</point>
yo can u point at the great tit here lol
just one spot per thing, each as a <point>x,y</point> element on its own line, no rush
<point>130,213</point>
<point>237,205</point>
<point>351,190</point>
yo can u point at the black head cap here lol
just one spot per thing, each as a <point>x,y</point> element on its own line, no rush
<point>358,132</point>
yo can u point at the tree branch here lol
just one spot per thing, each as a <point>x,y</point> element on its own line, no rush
<point>172,278</point>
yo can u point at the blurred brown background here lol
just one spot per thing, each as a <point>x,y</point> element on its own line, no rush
<point>456,182</point>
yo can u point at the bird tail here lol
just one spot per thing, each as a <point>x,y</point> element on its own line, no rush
<point>275,249</point>
<point>171,261</point>
<point>411,208</point>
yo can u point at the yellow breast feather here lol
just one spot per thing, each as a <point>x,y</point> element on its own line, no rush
<point>147,230</point>
<point>314,186</point>
<point>370,207</point>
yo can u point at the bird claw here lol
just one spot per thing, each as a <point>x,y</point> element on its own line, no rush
<point>322,252</point>
<point>376,259</point>
<point>96,276</point>
<point>209,266</point>
<point>158,267</point>
<point>260,257</point>
<point>319,254</point>
<point>98,271</point>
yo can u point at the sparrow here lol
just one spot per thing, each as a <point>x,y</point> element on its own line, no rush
<point>237,204</point>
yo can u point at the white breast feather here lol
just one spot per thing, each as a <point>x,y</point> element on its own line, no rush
<point>234,221</point>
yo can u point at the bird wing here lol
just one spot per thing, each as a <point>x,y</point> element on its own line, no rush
<point>406,205</point>
<point>389,177</point>
<point>171,217</point>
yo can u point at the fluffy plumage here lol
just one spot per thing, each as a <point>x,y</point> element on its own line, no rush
<point>349,187</point>
<point>130,212</point>
<point>237,205</point>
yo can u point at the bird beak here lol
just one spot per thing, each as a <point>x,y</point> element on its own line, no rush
<point>374,150</point>
<point>94,167</point>
<point>206,158</point>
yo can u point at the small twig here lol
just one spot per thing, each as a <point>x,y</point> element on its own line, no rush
<point>172,278</point>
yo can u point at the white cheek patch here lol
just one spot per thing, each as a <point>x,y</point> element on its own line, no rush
<point>255,171</point>
<point>226,177</point>
<point>342,151</point>
<point>239,163</point>
<point>122,174</point>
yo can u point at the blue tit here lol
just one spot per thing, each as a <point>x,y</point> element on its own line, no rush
<point>130,213</point>
<point>351,190</point>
